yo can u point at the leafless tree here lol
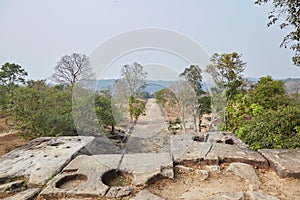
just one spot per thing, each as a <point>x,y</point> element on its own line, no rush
<point>187,100</point>
<point>134,77</point>
<point>72,68</point>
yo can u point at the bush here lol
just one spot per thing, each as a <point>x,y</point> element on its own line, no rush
<point>40,110</point>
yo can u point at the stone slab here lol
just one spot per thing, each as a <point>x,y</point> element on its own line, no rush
<point>244,171</point>
<point>41,158</point>
<point>146,195</point>
<point>93,167</point>
<point>193,152</point>
<point>259,196</point>
<point>285,162</point>
<point>144,166</point>
<point>28,194</point>
<point>224,153</point>
<point>224,138</point>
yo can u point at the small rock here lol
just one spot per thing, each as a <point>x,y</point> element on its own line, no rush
<point>183,169</point>
<point>243,170</point>
<point>118,191</point>
<point>253,187</point>
<point>11,187</point>
<point>146,195</point>
<point>214,168</point>
<point>228,196</point>
<point>259,196</point>
<point>167,172</point>
<point>203,174</point>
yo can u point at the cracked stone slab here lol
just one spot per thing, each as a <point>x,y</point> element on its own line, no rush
<point>28,194</point>
<point>141,166</point>
<point>244,171</point>
<point>228,196</point>
<point>41,158</point>
<point>93,167</point>
<point>285,162</point>
<point>146,195</point>
<point>224,153</point>
<point>193,152</point>
<point>144,166</point>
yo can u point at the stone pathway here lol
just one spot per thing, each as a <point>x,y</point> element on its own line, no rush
<point>63,167</point>
<point>150,134</point>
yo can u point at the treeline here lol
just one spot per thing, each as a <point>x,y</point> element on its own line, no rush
<point>40,109</point>
<point>262,114</point>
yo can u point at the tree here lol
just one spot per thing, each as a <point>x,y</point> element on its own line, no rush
<point>11,74</point>
<point>134,77</point>
<point>289,10</point>
<point>39,110</point>
<point>226,71</point>
<point>268,93</point>
<point>136,108</point>
<point>71,69</point>
<point>104,110</point>
<point>187,101</point>
<point>193,75</point>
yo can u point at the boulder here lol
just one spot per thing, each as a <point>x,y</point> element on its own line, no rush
<point>244,171</point>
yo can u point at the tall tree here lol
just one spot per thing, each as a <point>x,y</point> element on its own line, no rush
<point>289,10</point>
<point>226,71</point>
<point>72,68</point>
<point>193,75</point>
<point>11,74</point>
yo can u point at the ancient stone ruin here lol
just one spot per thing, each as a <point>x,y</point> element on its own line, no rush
<point>62,168</point>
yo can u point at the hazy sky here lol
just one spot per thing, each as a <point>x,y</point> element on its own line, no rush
<point>36,34</point>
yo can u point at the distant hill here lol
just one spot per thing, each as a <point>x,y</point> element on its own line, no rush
<point>292,84</point>
<point>152,86</point>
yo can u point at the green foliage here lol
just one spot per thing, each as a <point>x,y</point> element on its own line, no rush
<point>289,10</point>
<point>40,110</point>
<point>263,118</point>
<point>226,71</point>
<point>10,76</point>
<point>193,75</point>
<point>136,108</point>
<point>273,129</point>
<point>268,93</point>
<point>106,112</point>
<point>160,96</point>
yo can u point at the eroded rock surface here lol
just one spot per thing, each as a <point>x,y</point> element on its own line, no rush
<point>41,158</point>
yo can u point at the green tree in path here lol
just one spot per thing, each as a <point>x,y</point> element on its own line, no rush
<point>289,11</point>
<point>136,108</point>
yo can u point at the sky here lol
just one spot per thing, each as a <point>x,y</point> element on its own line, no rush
<point>36,34</point>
